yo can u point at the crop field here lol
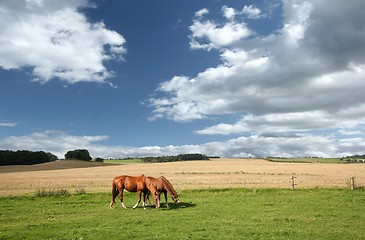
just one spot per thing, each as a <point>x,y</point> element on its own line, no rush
<point>216,173</point>
<point>220,199</point>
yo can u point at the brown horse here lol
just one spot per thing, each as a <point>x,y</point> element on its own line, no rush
<point>139,184</point>
<point>163,185</point>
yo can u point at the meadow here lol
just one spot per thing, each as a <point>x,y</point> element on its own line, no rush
<point>202,214</point>
<point>220,199</point>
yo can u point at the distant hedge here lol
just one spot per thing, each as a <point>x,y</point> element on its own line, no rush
<point>25,157</point>
<point>180,157</point>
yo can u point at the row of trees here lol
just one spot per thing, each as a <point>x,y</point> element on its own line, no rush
<point>25,157</point>
<point>180,157</point>
<point>354,159</point>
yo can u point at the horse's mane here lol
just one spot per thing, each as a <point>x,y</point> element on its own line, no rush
<point>168,186</point>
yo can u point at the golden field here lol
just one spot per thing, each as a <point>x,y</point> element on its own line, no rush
<point>215,173</point>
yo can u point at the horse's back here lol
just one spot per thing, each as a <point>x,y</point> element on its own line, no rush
<point>132,183</point>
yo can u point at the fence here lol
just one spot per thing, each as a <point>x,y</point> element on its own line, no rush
<point>266,181</point>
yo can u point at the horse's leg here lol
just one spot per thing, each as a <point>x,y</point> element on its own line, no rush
<point>144,200</point>
<point>114,195</point>
<point>167,205</point>
<point>121,198</point>
<point>148,193</point>
<point>139,199</point>
<point>113,201</point>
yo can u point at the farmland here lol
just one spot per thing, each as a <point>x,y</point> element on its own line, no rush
<point>220,199</point>
<point>216,173</point>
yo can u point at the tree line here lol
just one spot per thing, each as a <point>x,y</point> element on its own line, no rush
<point>180,157</point>
<point>25,157</point>
<point>354,159</point>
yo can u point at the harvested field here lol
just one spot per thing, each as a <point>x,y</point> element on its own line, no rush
<point>216,173</point>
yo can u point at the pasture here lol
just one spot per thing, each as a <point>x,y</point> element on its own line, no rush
<point>202,214</point>
<point>220,199</point>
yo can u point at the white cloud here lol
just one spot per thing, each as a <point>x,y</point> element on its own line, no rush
<point>55,40</point>
<point>229,12</point>
<point>201,12</point>
<point>285,122</point>
<point>298,89</point>
<point>208,34</point>
<point>251,12</point>
<point>306,76</point>
<point>58,143</point>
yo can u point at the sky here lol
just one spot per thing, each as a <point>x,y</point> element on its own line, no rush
<point>134,78</point>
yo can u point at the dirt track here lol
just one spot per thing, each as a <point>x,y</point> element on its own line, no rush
<point>217,173</point>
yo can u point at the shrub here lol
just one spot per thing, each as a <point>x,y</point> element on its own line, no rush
<point>98,159</point>
<point>80,191</point>
<point>52,193</point>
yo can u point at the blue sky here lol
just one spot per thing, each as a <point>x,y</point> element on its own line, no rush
<point>140,78</point>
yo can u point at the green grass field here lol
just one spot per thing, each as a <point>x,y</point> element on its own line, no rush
<point>124,161</point>
<point>203,214</point>
<point>306,160</point>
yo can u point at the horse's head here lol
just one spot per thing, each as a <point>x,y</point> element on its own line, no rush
<point>156,198</point>
<point>175,198</point>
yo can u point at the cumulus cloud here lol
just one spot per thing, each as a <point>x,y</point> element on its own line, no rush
<point>54,39</point>
<point>229,12</point>
<point>251,12</point>
<point>201,12</point>
<point>208,34</point>
<point>58,143</point>
<point>305,76</point>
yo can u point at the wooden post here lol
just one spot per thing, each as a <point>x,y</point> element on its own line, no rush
<point>293,182</point>
<point>352,179</point>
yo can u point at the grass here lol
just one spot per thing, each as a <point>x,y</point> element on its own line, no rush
<point>124,161</point>
<point>202,214</point>
<point>306,160</point>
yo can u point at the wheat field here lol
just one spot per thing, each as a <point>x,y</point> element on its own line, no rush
<point>215,173</point>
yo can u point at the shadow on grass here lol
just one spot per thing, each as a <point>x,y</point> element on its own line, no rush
<point>173,206</point>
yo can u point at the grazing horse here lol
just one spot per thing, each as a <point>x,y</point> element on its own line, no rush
<point>139,184</point>
<point>163,185</point>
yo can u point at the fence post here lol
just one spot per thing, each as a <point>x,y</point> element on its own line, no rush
<point>293,182</point>
<point>352,179</point>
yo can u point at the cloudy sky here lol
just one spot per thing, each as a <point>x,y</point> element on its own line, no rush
<point>129,78</point>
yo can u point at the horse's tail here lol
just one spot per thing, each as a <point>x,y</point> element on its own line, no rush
<point>115,191</point>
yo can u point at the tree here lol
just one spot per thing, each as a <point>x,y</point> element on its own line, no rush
<point>25,157</point>
<point>78,154</point>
